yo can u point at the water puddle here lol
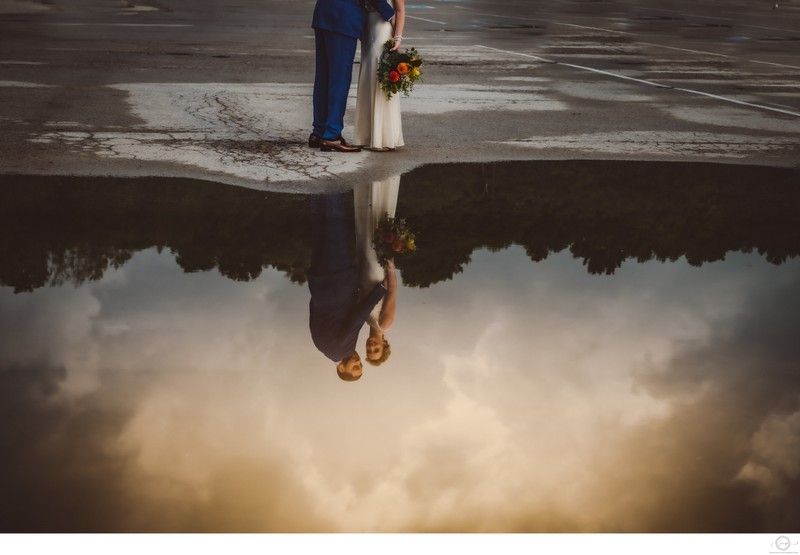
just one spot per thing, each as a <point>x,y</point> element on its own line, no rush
<point>575,346</point>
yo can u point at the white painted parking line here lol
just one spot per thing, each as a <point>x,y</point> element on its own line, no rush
<point>646,82</point>
<point>592,28</point>
<point>616,75</point>
<point>706,53</point>
<point>24,85</point>
<point>122,24</point>
<point>686,50</point>
<point>723,19</point>
<point>576,66</point>
<point>428,20</point>
<point>774,64</point>
<point>539,58</point>
<point>628,33</point>
<point>740,102</point>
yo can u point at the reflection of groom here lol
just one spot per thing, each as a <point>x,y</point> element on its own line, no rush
<point>337,27</point>
<point>336,315</point>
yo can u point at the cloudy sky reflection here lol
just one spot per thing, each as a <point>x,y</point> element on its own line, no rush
<point>519,397</point>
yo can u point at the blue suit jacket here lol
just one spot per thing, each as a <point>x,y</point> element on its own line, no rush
<point>347,16</point>
<point>336,313</point>
<point>336,316</point>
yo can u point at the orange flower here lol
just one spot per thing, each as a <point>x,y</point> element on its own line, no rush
<point>397,246</point>
<point>394,77</point>
<point>402,68</point>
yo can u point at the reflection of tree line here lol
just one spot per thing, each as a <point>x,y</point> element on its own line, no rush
<point>56,230</point>
<point>603,212</point>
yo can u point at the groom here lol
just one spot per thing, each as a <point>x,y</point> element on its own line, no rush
<point>337,27</point>
<point>336,314</point>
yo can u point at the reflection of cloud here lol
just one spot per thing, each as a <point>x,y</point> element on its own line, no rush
<point>775,461</point>
<point>551,401</point>
<point>732,445</point>
<point>56,473</point>
<point>54,328</point>
<point>65,470</point>
<point>572,449</point>
<point>124,453</point>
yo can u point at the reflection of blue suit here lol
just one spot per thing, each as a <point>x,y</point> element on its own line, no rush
<point>337,27</point>
<point>336,315</point>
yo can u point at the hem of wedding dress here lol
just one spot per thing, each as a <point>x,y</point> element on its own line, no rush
<point>382,148</point>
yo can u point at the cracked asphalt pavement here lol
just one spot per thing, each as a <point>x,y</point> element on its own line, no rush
<point>221,91</point>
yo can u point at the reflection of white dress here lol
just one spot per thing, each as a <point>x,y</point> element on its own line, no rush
<point>378,122</point>
<point>371,202</point>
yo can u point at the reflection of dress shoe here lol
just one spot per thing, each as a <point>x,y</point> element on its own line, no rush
<point>313,141</point>
<point>339,145</point>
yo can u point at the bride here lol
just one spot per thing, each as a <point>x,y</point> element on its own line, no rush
<point>378,125</point>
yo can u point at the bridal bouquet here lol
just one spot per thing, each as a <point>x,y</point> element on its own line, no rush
<point>393,239</point>
<point>398,71</point>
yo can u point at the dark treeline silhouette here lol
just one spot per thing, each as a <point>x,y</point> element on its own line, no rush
<point>68,229</point>
<point>56,230</point>
<point>603,212</point>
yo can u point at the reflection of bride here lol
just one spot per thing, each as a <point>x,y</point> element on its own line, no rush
<point>371,202</point>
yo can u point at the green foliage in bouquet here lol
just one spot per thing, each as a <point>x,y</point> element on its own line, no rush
<point>398,71</point>
<point>393,239</point>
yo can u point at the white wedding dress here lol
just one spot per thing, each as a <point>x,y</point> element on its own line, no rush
<point>378,122</point>
<point>371,202</point>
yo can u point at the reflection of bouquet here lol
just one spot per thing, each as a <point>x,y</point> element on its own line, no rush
<point>398,71</point>
<point>393,239</point>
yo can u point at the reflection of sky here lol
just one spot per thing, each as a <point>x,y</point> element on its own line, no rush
<point>519,397</point>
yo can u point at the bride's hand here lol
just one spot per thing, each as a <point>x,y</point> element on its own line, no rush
<point>389,275</point>
<point>397,41</point>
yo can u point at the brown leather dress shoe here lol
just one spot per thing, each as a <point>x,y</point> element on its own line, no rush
<point>313,141</point>
<point>339,145</point>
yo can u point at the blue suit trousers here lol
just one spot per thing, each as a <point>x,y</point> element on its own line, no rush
<point>332,77</point>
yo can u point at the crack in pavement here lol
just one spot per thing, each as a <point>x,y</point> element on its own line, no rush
<point>254,160</point>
